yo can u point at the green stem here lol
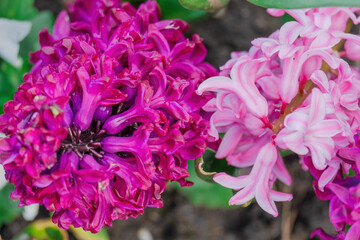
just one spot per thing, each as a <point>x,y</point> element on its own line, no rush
<point>209,5</point>
<point>296,4</point>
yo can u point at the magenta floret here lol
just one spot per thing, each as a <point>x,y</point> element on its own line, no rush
<point>107,115</point>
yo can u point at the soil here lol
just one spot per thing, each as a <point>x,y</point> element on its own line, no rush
<point>227,31</point>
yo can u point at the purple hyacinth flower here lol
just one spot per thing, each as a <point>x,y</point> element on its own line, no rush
<point>108,114</point>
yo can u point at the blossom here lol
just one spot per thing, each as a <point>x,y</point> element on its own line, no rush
<point>306,128</point>
<point>108,114</point>
<point>343,193</point>
<point>258,183</point>
<point>344,208</point>
<point>12,32</point>
<point>293,90</point>
<point>30,212</point>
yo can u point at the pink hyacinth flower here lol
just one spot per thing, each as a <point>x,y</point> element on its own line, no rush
<point>258,183</point>
<point>307,129</point>
<point>293,90</point>
<point>241,83</point>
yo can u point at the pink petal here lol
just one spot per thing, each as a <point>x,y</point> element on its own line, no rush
<point>292,140</point>
<point>324,40</point>
<point>246,152</point>
<point>245,74</point>
<point>281,172</point>
<point>329,174</point>
<point>229,142</point>
<point>243,196</point>
<point>289,32</point>
<point>322,149</point>
<point>216,84</point>
<point>254,125</point>
<point>232,182</point>
<point>320,79</point>
<point>62,26</point>
<point>280,196</point>
<point>354,232</point>
<point>317,107</point>
<point>297,121</point>
<point>326,128</point>
<point>350,101</point>
<point>261,174</point>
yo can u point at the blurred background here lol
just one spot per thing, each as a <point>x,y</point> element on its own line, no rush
<point>200,212</point>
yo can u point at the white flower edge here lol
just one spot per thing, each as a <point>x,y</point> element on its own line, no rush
<point>11,33</point>
<point>30,212</point>
<point>3,181</point>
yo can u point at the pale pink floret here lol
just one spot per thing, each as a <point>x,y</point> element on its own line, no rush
<point>258,183</point>
<point>241,83</point>
<point>299,58</point>
<point>292,91</point>
<point>306,129</point>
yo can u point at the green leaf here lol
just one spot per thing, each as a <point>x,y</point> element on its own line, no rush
<point>287,18</point>
<point>348,226</point>
<point>201,173</point>
<point>10,78</point>
<point>44,19</point>
<point>54,233</point>
<point>209,5</point>
<point>205,194</point>
<point>352,173</point>
<point>212,164</point>
<point>135,3</point>
<point>295,4</point>
<point>207,166</point>
<point>17,9</point>
<point>172,9</point>
<point>285,153</point>
<point>46,229</point>
<point>9,209</point>
<point>80,234</point>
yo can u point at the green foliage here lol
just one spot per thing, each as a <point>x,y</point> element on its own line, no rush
<point>209,5</point>
<point>42,20</point>
<point>296,4</point>
<point>172,9</point>
<point>17,9</point>
<point>25,10</point>
<point>80,234</point>
<point>53,233</point>
<point>351,173</point>
<point>212,164</point>
<point>11,77</point>
<point>287,18</point>
<point>286,153</point>
<point>44,229</point>
<point>207,166</point>
<point>348,226</point>
<point>8,208</point>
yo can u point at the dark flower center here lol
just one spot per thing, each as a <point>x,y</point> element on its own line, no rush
<point>85,142</point>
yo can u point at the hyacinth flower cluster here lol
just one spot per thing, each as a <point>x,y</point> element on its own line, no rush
<point>108,114</point>
<point>294,90</point>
